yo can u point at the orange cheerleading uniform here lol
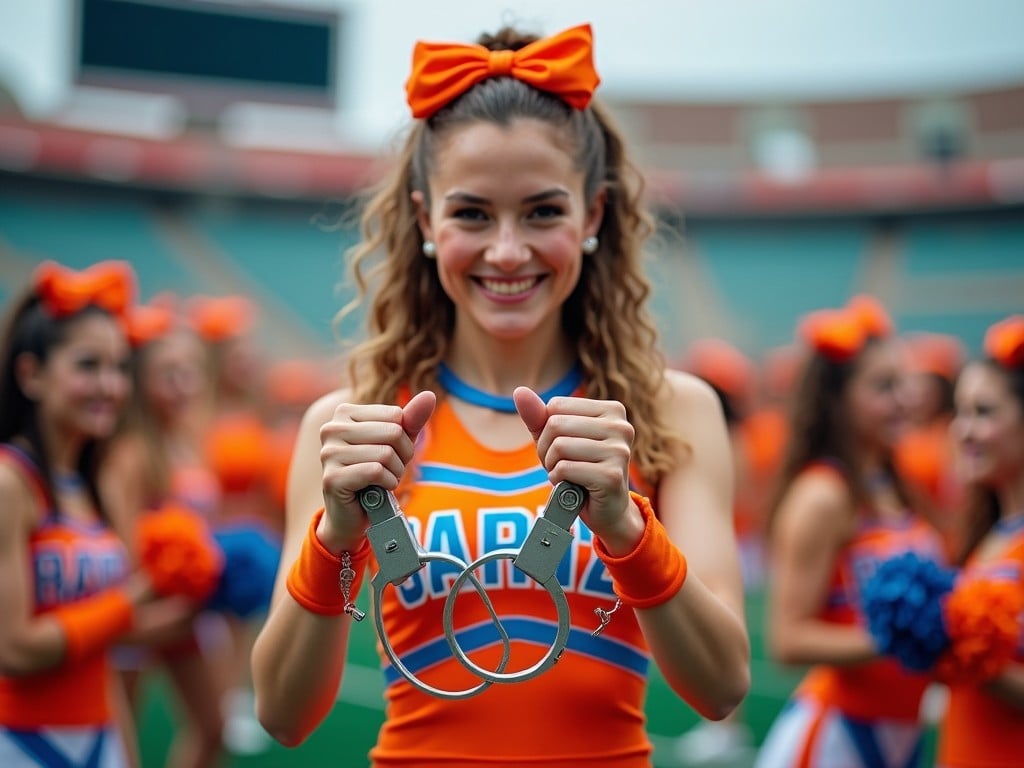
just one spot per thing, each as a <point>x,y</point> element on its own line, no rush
<point>840,708</point>
<point>980,730</point>
<point>587,710</point>
<point>70,561</point>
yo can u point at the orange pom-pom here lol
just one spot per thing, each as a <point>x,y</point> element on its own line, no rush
<point>219,318</point>
<point>178,552</point>
<point>983,621</point>
<point>238,452</point>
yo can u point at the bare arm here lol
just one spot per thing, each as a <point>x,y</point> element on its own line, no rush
<point>299,656</point>
<point>27,645</point>
<point>699,638</point>
<point>293,695</point>
<point>813,523</point>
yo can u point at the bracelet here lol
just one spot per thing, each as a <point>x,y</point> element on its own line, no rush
<point>325,583</point>
<point>654,571</point>
<point>92,624</point>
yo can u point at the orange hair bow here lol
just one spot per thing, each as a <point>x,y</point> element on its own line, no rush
<point>840,334</point>
<point>834,333</point>
<point>1004,342</point>
<point>871,315</point>
<point>109,285</point>
<point>148,322</point>
<point>562,64</point>
<point>722,365</point>
<point>219,318</point>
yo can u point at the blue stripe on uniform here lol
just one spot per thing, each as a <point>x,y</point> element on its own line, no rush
<point>533,631</point>
<point>486,482</point>
<point>38,747</point>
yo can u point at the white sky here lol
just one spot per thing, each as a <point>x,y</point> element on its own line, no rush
<point>704,50</point>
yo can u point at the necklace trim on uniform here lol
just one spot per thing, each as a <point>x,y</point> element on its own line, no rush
<point>1008,525</point>
<point>456,387</point>
<point>68,482</point>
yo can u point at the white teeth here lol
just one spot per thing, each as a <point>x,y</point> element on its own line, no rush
<point>507,287</point>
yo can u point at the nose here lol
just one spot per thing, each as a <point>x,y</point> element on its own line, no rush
<point>114,382</point>
<point>960,429</point>
<point>509,249</point>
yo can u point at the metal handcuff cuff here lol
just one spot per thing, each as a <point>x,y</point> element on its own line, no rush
<point>399,555</point>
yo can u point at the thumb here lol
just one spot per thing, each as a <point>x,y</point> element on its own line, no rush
<point>531,409</point>
<point>417,411</point>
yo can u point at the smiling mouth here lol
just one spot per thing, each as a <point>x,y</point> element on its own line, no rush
<point>508,287</point>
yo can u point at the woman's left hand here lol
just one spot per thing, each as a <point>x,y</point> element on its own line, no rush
<point>586,442</point>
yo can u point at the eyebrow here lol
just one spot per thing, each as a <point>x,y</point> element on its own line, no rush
<point>547,194</point>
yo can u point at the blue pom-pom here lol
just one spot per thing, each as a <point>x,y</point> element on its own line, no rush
<point>251,557</point>
<point>903,606</point>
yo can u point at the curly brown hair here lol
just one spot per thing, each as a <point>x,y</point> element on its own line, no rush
<point>411,319</point>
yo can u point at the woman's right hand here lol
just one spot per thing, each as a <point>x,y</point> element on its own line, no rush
<point>364,445</point>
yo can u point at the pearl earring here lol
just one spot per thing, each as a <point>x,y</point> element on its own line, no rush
<point>590,245</point>
<point>430,249</point>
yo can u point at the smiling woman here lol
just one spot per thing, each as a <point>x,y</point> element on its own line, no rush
<point>505,252</point>
<point>68,591</point>
<point>527,216</point>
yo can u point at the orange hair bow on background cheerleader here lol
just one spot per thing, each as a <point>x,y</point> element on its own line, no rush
<point>109,285</point>
<point>840,334</point>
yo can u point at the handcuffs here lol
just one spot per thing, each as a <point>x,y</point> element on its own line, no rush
<point>399,555</point>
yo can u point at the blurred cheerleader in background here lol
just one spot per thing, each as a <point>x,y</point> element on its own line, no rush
<point>985,715</point>
<point>840,511</point>
<point>157,462</point>
<point>236,438</point>
<point>67,590</point>
<point>924,455</point>
<point>239,448</point>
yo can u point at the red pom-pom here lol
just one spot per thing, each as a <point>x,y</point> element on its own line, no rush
<point>178,552</point>
<point>983,621</point>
